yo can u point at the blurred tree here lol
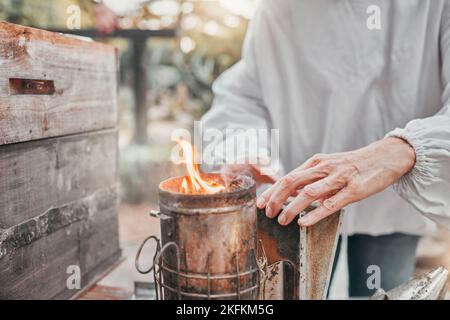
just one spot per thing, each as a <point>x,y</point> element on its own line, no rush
<point>180,71</point>
<point>45,13</point>
<point>209,42</point>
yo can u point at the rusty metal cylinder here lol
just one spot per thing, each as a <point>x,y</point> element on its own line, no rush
<point>214,252</point>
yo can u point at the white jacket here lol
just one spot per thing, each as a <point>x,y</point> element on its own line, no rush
<point>315,71</point>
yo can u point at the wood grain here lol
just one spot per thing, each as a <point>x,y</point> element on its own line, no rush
<point>40,175</point>
<point>54,219</point>
<point>58,161</point>
<point>84,76</point>
<point>39,270</point>
<point>58,207</point>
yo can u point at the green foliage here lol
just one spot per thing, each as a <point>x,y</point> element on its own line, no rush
<point>43,13</point>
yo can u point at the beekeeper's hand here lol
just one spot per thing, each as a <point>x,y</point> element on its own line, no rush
<point>337,180</point>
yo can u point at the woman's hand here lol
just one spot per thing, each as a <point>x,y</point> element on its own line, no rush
<point>337,180</point>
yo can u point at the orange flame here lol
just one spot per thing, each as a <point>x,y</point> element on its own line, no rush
<point>195,183</point>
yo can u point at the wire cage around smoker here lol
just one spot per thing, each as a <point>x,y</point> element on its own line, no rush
<point>208,247</point>
<point>170,290</point>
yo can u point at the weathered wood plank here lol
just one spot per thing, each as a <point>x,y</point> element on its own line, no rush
<point>38,270</point>
<point>54,219</point>
<point>81,75</point>
<point>100,238</point>
<point>40,175</point>
<point>44,261</point>
<point>58,193</point>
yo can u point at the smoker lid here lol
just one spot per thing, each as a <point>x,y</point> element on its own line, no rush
<point>240,190</point>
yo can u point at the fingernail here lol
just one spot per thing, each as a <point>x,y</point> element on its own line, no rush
<point>282,219</point>
<point>269,212</point>
<point>260,202</point>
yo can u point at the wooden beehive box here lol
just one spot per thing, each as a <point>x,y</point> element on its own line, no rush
<point>58,162</point>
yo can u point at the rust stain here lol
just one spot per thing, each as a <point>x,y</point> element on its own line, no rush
<point>280,242</point>
<point>319,251</point>
<point>45,125</point>
<point>273,282</point>
<point>14,45</point>
<point>11,50</point>
<point>216,234</point>
<point>312,254</point>
<point>270,246</point>
<point>9,31</point>
<point>281,249</point>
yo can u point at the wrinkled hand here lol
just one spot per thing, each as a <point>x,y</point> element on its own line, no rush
<point>337,180</point>
<point>106,20</point>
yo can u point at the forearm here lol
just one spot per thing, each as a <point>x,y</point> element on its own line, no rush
<point>399,153</point>
<point>427,185</point>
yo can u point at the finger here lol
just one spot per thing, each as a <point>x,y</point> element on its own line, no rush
<point>329,195</point>
<point>288,184</point>
<point>328,207</point>
<point>302,201</point>
<point>323,187</point>
<point>294,208</point>
<point>265,196</point>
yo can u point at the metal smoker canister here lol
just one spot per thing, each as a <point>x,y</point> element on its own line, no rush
<point>208,244</point>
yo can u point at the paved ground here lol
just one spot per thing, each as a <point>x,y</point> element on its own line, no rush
<point>134,226</point>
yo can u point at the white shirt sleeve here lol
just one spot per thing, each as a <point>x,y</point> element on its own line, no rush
<point>427,185</point>
<point>238,104</point>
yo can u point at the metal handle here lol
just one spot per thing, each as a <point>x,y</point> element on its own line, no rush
<point>167,222</point>
<point>138,254</point>
<point>155,214</point>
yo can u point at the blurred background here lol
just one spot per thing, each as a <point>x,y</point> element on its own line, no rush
<point>170,53</point>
